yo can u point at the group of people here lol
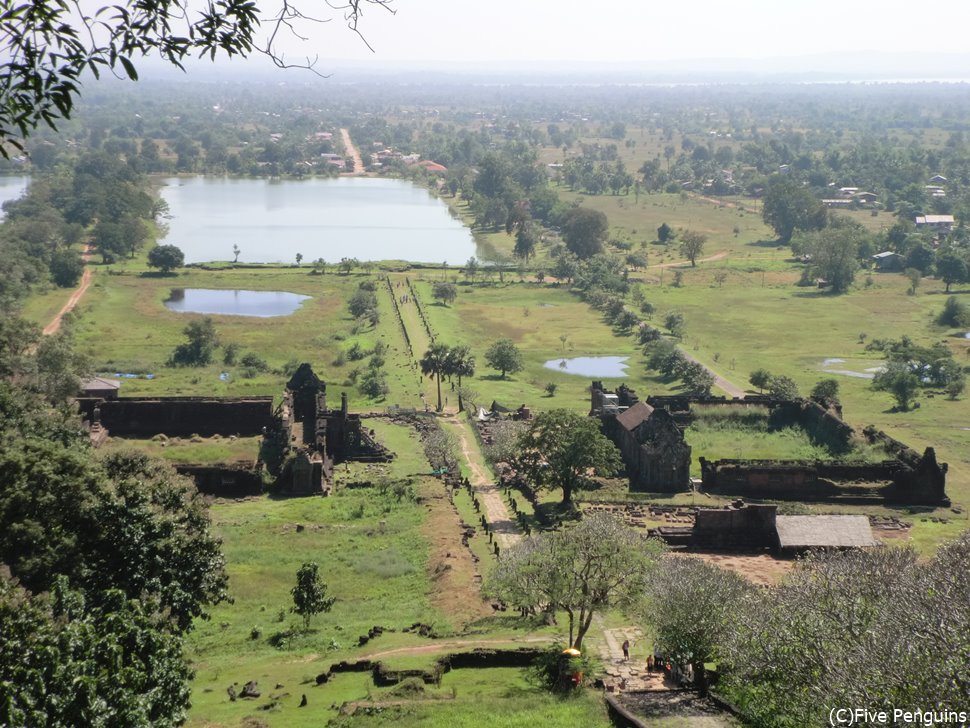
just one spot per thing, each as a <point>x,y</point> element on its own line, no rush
<point>655,661</point>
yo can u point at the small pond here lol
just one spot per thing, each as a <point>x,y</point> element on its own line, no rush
<point>263,304</point>
<point>590,366</point>
<point>863,370</point>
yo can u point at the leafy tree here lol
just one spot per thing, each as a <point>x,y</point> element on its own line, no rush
<point>584,231</point>
<point>166,258</point>
<point>561,447</point>
<point>202,342</point>
<point>65,662</point>
<point>66,267</point>
<point>955,313</point>
<point>471,268</point>
<point>598,563</point>
<point>899,380</point>
<point>697,380</point>
<point>444,291</point>
<point>920,258</point>
<point>694,607</point>
<point>299,258</point>
<point>782,387</point>
<point>505,356</point>
<point>864,626</point>
<point>665,233</point>
<point>460,363</point>
<point>435,364</point>
<point>833,253</point>
<point>362,303</point>
<point>825,391</point>
<point>310,594</point>
<point>526,240</point>
<point>951,269</point>
<point>674,321</point>
<point>692,245</point>
<point>235,253</point>
<point>915,277</point>
<point>347,264</point>
<point>789,207</point>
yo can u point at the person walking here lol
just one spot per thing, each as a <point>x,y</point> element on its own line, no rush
<point>626,650</point>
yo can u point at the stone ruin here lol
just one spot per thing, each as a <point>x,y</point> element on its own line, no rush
<point>306,438</point>
<point>302,438</point>
<point>656,456</point>
<point>651,440</point>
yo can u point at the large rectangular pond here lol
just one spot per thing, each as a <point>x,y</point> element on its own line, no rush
<point>348,217</point>
<point>264,304</point>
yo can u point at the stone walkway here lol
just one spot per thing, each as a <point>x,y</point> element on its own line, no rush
<point>632,675</point>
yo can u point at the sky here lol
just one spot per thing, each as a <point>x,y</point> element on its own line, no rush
<point>432,33</point>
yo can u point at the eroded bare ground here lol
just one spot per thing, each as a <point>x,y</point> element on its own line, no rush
<point>762,569</point>
<point>455,579</point>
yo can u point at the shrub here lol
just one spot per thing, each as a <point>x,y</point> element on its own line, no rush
<point>255,362</point>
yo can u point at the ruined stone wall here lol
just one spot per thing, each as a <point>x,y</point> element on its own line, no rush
<point>181,416</point>
<point>224,481</point>
<point>747,527</point>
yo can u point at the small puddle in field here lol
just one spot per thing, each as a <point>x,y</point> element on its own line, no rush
<point>590,366</point>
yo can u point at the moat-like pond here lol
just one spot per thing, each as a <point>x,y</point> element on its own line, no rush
<point>270,221</point>
<point>263,304</point>
<point>590,366</point>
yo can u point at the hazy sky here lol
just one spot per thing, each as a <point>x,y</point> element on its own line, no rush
<point>636,31</point>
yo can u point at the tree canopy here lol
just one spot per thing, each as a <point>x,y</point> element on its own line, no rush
<point>789,207</point>
<point>505,356</point>
<point>581,570</point>
<point>584,231</point>
<point>561,447</point>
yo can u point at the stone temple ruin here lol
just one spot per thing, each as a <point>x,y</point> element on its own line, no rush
<point>650,437</point>
<point>302,439</point>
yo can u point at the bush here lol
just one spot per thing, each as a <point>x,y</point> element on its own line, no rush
<point>230,352</point>
<point>955,313</point>
<point>356,352</point>
<point>255,362</point>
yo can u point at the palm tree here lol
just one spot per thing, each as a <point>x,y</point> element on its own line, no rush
<point>461,363</point>
<point>434,363</point>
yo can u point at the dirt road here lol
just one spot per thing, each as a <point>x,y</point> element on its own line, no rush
<point>75,298</point>
<point>732,389</point>
<point>350,149</point>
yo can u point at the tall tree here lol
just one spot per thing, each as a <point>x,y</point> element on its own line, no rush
<point>692,245</point>
<point>789,207</point>
<point>584,231</point>
<point>444,291</point>
<point>505,356</point>
<point>460,363</point>
<point>584,569</point>
<point>435,364</point>
<point>561,447</point>
<point>310,594</point>
<point>693,607</point>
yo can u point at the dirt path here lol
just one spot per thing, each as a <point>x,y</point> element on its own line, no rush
<point>72,302</point>
<point>350,149</point>
<point>732,389</point>
<point>506,530</point>
<point>681,263</point>
<point>723,203</point>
